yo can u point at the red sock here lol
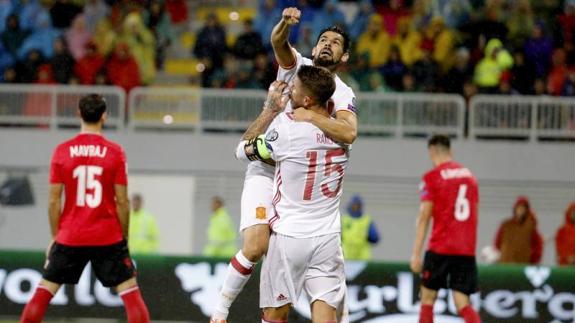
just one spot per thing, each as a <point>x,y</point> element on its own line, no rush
<point>36,307</point>
<point>135,307</point>
<point>426,314</point>
<point>469,315</point>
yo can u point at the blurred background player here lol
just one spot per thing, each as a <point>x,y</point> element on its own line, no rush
<point>449,196</point>
<point>518,240</point>
<point>144,232</point>
<point>565,239</point>
<point>93,226</point>
<point>305,247</point>
<point>221,232</point>
<point>331,51</point>
<point>358,231</point>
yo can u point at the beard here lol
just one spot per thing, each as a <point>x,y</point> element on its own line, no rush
<point>327,62</point>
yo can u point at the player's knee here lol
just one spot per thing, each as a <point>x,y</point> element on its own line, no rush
<point>276,313</point>
<point>254,251</point>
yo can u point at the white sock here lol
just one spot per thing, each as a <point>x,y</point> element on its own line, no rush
<point>239,272</point>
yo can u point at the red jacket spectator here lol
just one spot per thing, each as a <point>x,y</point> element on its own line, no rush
<point>518,239</point>
<point>122,68</point>
<point>89,65</point>
<point>565,238</point>
<point>558,73</point>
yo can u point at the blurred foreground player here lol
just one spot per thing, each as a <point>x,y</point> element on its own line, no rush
<point>449,195</point>
<point>93,226</point>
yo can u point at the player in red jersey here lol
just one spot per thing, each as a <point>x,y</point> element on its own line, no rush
<point>93,225</point>
<point>449,195</point>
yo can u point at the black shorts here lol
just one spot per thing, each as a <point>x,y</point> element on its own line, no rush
<point>112,264</point>
<point>451,272</point>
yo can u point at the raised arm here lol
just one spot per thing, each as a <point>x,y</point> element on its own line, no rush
<point>421,228</point>
<point>280,35</point>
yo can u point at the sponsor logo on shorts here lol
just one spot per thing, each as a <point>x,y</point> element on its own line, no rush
<point>261,213</point>
<point>281,297</point>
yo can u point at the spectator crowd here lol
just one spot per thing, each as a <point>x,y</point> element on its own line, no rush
<point>456,46</point>
<point>85,42</point>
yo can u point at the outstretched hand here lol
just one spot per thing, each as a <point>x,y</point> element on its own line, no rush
<point>291,16</point>
<point>276,100</point>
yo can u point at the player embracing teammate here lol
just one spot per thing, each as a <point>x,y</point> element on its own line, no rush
<point>340,125</point>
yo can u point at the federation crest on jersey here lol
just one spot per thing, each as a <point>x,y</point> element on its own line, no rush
<point>272,135</point>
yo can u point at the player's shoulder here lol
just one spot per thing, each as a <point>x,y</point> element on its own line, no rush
<point>112,144</point>
<point>342,87</point>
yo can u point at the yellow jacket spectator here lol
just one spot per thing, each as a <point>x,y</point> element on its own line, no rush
<point>143,235</point>
<point>374,41</point>
<point>408,41</point>
<point>444,41</point>
<point>105,37</point>
<point>221,232</point>
<point>142,45</point>
<point>358,231</point>
<point>488,71</point>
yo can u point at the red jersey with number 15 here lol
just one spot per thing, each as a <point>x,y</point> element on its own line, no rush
<point>453,190</point>
<point>89,166</point>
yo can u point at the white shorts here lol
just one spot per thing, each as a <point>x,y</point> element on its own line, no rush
<point>314,265</point>
<point>256,201</point>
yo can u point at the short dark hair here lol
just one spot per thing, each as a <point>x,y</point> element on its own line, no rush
<point>337,29</point>
<point>440,140</point>
<point>92,107</point>
<point>318,81</point>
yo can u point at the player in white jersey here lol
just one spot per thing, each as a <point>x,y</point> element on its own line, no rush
<point>331,51</point>
<point>305,245</point>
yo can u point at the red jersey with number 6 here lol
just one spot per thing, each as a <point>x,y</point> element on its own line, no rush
<point>89,166</point>
<point>452,189</point>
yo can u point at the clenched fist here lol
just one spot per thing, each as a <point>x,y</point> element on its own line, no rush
<point>291,16</point>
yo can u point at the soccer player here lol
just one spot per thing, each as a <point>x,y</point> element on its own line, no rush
<point>331,51</point>
<point>449,195</point>
<point>93,224</point>
<point>305,245</point>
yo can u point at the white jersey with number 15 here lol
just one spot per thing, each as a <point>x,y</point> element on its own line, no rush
<point>343,99</point>
<point>308,178</point>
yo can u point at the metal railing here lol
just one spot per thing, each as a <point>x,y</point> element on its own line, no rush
<point>522,117</point>
<point>390,114</point>
<point>405,114</point>
<point>411,114</point>
<point>55,106</point>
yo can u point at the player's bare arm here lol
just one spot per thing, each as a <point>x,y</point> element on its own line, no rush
<point>274,104</point>
<point>280,35</point>
<point>342,129</point>
<point>55,207</point>
<point>421,227</point>
<point>123,208</point>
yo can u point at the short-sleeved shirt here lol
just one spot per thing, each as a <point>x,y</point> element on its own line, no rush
<point>308,178</point>
<point>89,166</point>
<point>454,192</point>
<point>343,99</point>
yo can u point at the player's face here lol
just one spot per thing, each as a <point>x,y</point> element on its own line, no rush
<point>572,216</point>
<point>328,52</point>
<point>520,211</point>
